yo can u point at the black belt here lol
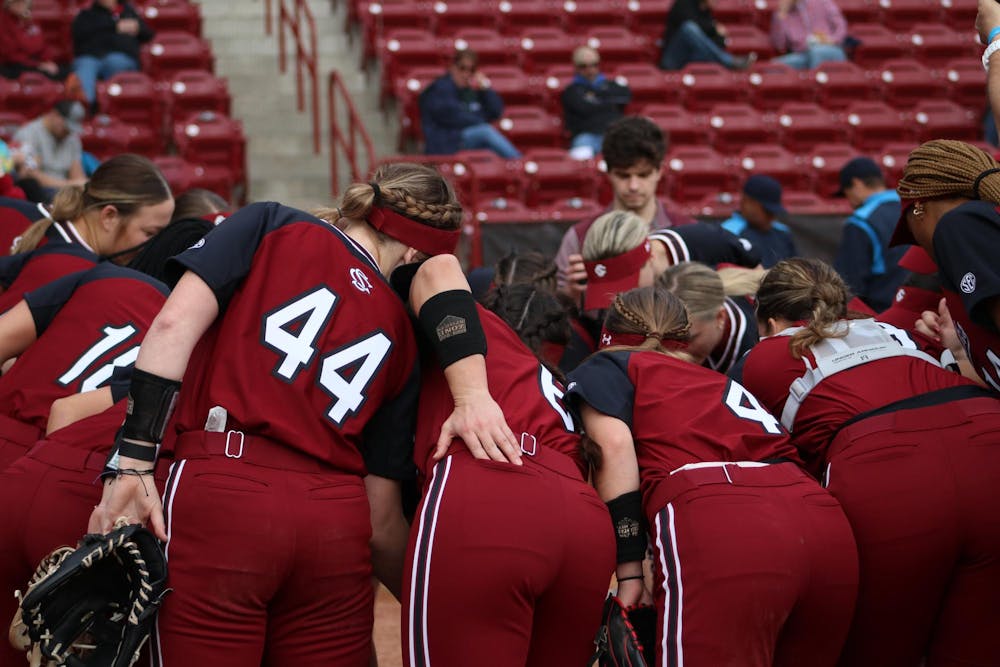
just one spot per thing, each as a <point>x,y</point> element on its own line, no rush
<point>927,400</point>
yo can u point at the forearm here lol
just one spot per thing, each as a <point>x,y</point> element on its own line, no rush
<point>17,331</point>
<point>75,407</point>
<point>390,533</point>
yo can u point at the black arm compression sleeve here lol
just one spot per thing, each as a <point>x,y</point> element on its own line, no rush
<point>630,533</point>
<point>452,325</point>
<point>151,401</point>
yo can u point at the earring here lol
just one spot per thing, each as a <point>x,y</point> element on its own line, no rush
<point>918,210</point>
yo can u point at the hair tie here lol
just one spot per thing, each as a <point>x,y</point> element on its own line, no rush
<point>377,192</point>
<point>979,179</point>
<point>524,313</point>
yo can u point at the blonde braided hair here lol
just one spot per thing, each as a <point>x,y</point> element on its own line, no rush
<point>947,168</point>
<point>652,312</point>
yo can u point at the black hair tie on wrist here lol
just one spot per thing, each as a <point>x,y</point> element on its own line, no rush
<point>979,179</point>
<point>378,193</point>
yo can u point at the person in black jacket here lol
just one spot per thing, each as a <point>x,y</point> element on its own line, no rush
<point>456,111</point>
<point>106,40</point>
<point>591,102</point>
<point>692,35</point>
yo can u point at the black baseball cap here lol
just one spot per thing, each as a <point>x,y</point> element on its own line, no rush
<point>767,192</point>
<point>859,167</point>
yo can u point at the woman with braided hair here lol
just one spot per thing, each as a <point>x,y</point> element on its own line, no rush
<point>536,315</point>
<point>507,565</point>
<point>754,562</point>
<point>951,195</point>
<point>911,451</point>
<point>293,428</point>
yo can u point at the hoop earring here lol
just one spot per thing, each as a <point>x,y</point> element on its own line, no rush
<point>918,211</point>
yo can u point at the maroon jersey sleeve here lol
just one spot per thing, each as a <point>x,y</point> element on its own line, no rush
<point>308,322</point>
<point>99,320</point>
<point>29,271</point>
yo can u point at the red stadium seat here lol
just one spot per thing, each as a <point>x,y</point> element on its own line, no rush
<point>106,136</point>
<point>682,127</point>
<point>874,124</point>
<point>543,47</point>
<point>179,15</point>
<point>407,93</point>
<point>776,162</point>
<point>934,43</point>
<point>483,175</point>
<point>860,11</point>
<point>966,83</point>
<point>171,52</point>
<point>178,172</point>
<point>902,15</point>
<point>734,126</point>
<point>878,44</point>
<point>514,86</point>
<point>743,39</point>
<point>10,122</point>
<point>905,82</point>
<point>647,83</point>
<point>717,205</point>
<point>698,171</point>
<point>531,127</point>
<point>804,125</point>
<point>492,47</point>
<point>455,15</point>
<point>131,97</point>
<point>706,84</point>
<point>55,20</point>
<point>731,13</point>
<point>406,48</point>
<point>377,19</point>
<point>646,16</point>
<point>826,161</point>
<point>215,142</point>
<point>504,211</point>
<point>192,90</point>
<point>31,94</point>
<point>555,81</point>
<point>960,14</point>
<point>582,15</point>
<point>549,176</point>
<point>772,84</point>
<point>943,119</point>
<point>841,83</point>
<point>519,15</point>
<point>617,45</point>
<point>571,210</point>
<point>893,159</point>
<point>809,203</point>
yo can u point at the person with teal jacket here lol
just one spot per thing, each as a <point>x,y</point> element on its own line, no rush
<point>757,220</point>
<point>865,261</point>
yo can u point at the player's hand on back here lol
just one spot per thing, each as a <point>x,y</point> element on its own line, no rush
<point>480,423</point>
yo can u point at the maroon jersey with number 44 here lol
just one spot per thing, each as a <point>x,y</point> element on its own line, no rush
<point>311,348</point>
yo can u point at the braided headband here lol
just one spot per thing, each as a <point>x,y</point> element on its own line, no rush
<point>611,338</point>
<point>979,179</point>
<point>426,239</point>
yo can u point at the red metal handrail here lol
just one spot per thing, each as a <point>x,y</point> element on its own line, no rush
<point>345,134</point>
<point>305,58</point>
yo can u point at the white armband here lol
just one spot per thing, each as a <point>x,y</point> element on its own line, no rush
<point>990,50</point>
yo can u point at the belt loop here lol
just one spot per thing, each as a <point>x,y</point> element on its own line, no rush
<point>534,444</point>
<point>239,453</point>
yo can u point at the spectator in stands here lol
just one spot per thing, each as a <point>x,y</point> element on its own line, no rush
<point>591,102</point>
<point>808,32</point>
<point>987,22</point>
<point>52,145</point>
<point>22,44</point>
<point>692,35</point>
<point>865,260</point>
<point>106,40</point>
<point>633,149</point>
<point>456,111</point>
<point>756,220</point>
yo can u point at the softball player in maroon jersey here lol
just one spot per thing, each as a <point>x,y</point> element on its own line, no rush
<point>910,450</point>
<point>507,565</point>
<point>291,430</point>
<point>950,195</point>
<point>755,564</point>
<point>125,203</point>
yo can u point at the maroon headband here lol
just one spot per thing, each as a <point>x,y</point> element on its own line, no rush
<point>611,338</point>
<point>426,239</point>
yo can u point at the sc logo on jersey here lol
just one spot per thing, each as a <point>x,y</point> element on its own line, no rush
<point>968,283</point>
<point>360,281</point>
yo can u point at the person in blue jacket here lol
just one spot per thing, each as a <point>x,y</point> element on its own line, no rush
<point>757,220</point>
<point>456,111</point>
<point>864,260</point>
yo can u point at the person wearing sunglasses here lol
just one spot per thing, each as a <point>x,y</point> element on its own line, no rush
<point>591,102</point>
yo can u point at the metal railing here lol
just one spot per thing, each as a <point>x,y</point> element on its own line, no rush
<point>306,54</point>
<point>348,134</point>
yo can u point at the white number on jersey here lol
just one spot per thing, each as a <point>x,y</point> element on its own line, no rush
<point>745,405</point>
<point>298,349</point>
<point>554,395</point>
<point>311,312</point>
<point>349,394</point>
<point>112,337</point>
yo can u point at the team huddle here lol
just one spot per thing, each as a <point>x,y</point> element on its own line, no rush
<point>298,403</point>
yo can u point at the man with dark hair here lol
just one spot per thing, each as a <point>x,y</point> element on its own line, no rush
<point>456,111</point>
<point>633,149</point>
<point>756,220</point>
<point>865,261</point>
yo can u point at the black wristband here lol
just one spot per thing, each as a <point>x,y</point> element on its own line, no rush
<point>452,325</point>
<point>627,519</point>
<point>138,452</point>
<point>151,401</point>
